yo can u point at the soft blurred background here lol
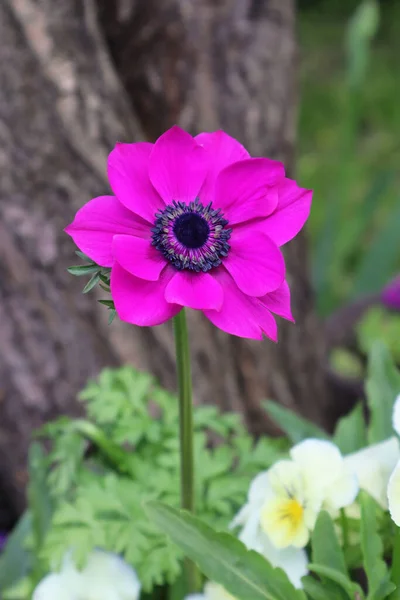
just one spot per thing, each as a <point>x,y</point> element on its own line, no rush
<point>76,77</point>
<point>348,144</point>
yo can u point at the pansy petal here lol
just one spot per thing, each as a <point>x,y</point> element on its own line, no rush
<point>293,561</point>
<point>56,585</point>
<point>241,315</point>
<point>178,166</point>
<point>291,213</point>
<point>225,150</point>
<point>128,172</point>
<point>396,415</point>
<point>373,466</point>
<point>320,458</point>
<point>260,489</point>
<point>278,301</point>
<point>301,537</point>
<point>107,576</point>
<point>195,290</point>
<point>255,263</point>
<point>139,301</point>
<point>243,190</point>
<point>393,495</point>
<point>282,532</point>
<point>97,222</point>
<point>138,256</point>
<point>343,491</point>
<point>285,478</point>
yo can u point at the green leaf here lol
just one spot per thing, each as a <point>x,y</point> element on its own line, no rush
<point>296,428</point>
<point>372,548</point>
<point>80,270</point>
<point>16,561</point>
<point>223,558</point>
<point>108,303</point>
<point>327,554</point>
<point>93,281</point>
<point>351,432</point>
<point>84,256</point>
<point>316,590</point>
<point>326,550</point>
<point>381,259</point>
<point>38,495</point>
<point>328,574</point>
<point>382,387</point>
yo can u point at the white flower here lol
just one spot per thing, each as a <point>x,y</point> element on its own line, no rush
<point>393,494</point>
<point>292,560</point>
<point>105,577</point>
<point>55,586</point>
<point>326,473</point>
<point>373,466</point>
<point>290,512</point>
<point>212,591</point>
<point>396,415</point>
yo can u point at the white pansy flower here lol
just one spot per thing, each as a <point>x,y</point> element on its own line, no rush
<point>105,577</point>
<point>393,494</point>
<point>290,512</point>
<point>396,415</point>
<point>326,473</point>
<point>56,586</point>
<point>292,560</point>
<point>212,591</point>
<point>373,466</point>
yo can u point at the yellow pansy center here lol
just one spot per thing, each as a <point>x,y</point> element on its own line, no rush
<point>291,510</point>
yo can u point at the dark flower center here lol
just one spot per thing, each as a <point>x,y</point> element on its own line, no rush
<point>191,230</point>
<point>191,236</point>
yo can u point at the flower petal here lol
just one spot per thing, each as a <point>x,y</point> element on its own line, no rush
<point>54,586</point>
<point>343,491</point>
<point>241,315</point>
<point>259,492</point>
<point>282,532</point>
<point>373,466</point>
<point>178,166</point>
<point>224,150</point>
<point>278,301</point>
<point>141,302</point>
<point>320,461</point>
<point>138,256</point>
<point>97,222</point>
<point>293,561</point>
<point>393,494</point>
<point>255,263</point>
<point>195,290</point>
<point>291,213</point>
<point>396,415</point>
<point>128,172</point>
<point>108,576</point>
<point>243,190</point>
<point>286,476</point>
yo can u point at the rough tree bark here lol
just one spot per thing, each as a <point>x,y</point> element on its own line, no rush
<point>74,78</point>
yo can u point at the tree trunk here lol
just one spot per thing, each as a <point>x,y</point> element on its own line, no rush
<point>74,78</point>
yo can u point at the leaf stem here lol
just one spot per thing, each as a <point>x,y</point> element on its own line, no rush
<point>186,430</point>
<point>345,528</point>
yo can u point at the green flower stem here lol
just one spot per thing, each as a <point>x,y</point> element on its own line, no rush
<point>186,430</point>
<point>396,558</point>
<point>345,528</point>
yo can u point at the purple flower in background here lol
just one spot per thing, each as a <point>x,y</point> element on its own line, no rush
<point>3,539</point>
<point>390,295</point>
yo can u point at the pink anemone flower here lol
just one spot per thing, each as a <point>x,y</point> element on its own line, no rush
<point>195,222</point>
